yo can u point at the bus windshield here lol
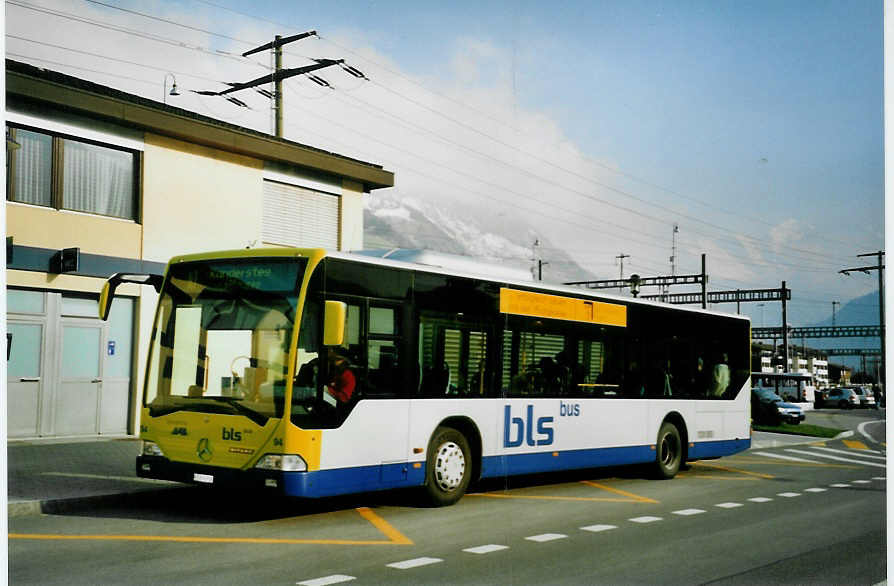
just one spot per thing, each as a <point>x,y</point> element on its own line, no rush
<point>221,337</point>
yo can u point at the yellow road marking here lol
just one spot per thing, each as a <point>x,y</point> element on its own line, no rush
<point>635,497</point>
<point>494,495</point>
<point>394,536</point>
<point>384,526</point>
<point>855,444</point>
<point>736,470</point>
<point>628,496</point>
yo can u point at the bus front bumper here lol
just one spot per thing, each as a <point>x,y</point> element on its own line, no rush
<point>161,468</point>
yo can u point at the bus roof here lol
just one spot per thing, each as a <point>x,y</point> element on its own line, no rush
<point>435,263</point>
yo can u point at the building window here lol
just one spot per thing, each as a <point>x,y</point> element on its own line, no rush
<point>67,174</point>
<point>296,216</point>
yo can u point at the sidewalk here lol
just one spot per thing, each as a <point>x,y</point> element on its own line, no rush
<point>47,476</point>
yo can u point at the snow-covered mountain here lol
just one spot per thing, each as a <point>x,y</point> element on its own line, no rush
<point>390,222</point>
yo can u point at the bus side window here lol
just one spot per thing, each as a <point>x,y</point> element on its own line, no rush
<point>382,351</point>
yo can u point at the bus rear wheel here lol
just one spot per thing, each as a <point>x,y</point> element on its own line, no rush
<point>668,451</point>
<point>448,467</point>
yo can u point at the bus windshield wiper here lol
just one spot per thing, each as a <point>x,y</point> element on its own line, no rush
<point>222,405</point>
<point>233,402</point>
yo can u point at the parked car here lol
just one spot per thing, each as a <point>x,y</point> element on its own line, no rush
<point>843,398</point>
<point>865,395</point>
<point>768,408</point>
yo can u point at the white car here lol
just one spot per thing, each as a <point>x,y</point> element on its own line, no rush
<point>865,395</point>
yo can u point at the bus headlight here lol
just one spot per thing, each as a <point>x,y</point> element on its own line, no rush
<point>282,463</point>
<point>151,449</point>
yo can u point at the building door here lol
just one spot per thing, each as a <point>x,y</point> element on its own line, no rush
<point>80,383</point>
<point>68,373</point>
<point>23,377</point>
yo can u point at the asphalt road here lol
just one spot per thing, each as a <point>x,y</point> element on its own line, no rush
<point>811,513</point>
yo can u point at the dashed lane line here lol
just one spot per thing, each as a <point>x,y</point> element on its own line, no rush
<point>483,549</point>
<point>598,528</point>
<point>327,580</point>
<point>414,563</point>
<point>646,519</point>
<point>544,537</point>
<point>689,512</point>
<point>836,458</point>
<point>547,537</point>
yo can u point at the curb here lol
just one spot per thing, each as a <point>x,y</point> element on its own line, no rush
<point>69,504</point>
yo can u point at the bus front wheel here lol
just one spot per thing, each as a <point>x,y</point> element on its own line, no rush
<point>668,451</point>
<point>448,467</point>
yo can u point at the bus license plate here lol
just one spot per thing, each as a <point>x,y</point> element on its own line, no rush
<point>206,478</point>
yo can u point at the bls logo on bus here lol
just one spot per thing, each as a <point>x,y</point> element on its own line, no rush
<point>232,434</point>
<point>517,430</point>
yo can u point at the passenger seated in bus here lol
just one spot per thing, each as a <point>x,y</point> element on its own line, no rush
<point>342,382</point>
<point>720,375</point>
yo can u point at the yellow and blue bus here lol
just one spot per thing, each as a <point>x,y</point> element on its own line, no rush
<point>454,376</point>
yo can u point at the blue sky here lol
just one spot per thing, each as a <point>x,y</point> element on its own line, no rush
<point>755,126</point>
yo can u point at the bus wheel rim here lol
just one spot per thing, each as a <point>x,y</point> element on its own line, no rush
<point>450,466</point>
<point>668,451</point>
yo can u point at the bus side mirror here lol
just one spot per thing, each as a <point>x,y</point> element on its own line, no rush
<point>108,289</point>
<point>334,317</point>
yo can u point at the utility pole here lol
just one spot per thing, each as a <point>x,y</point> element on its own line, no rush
<point>784,329</point>
<point>621,257</point>
<point>881,301</point>
<point>279,74</point>
<point>834,303</point>
<point>535,257</point>
<point>704,284</point>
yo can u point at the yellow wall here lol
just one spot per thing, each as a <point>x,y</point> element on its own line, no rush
<point>50,228</point>
<point>196,199</point>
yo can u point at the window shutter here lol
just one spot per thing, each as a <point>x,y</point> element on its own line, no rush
<point>295,216</point>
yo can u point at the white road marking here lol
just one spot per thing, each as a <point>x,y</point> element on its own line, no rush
<point>414,563</point>
<point>840,485</point>
<point>327,580</point>
<point>544,537</point>
<point>598,528</point>
<point>688,512</point>
<point>861,453</point>
<point>861,481</point>
<point>789,495</point>
<point>646,519</point>
<point>815,489</point>
<point>848,460</point>
<point>783,457</point>
<point>482,549</point>
<point>861,429</point>
<point>879,477</point>
<point>760,499</point>
<point>728,505</point>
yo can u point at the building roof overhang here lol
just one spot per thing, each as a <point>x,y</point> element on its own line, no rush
<point>32,84</point>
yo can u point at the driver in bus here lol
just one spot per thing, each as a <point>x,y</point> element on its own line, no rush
<point>342,382</point>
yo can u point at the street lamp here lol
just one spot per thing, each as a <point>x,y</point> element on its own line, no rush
<point>173,92</point>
